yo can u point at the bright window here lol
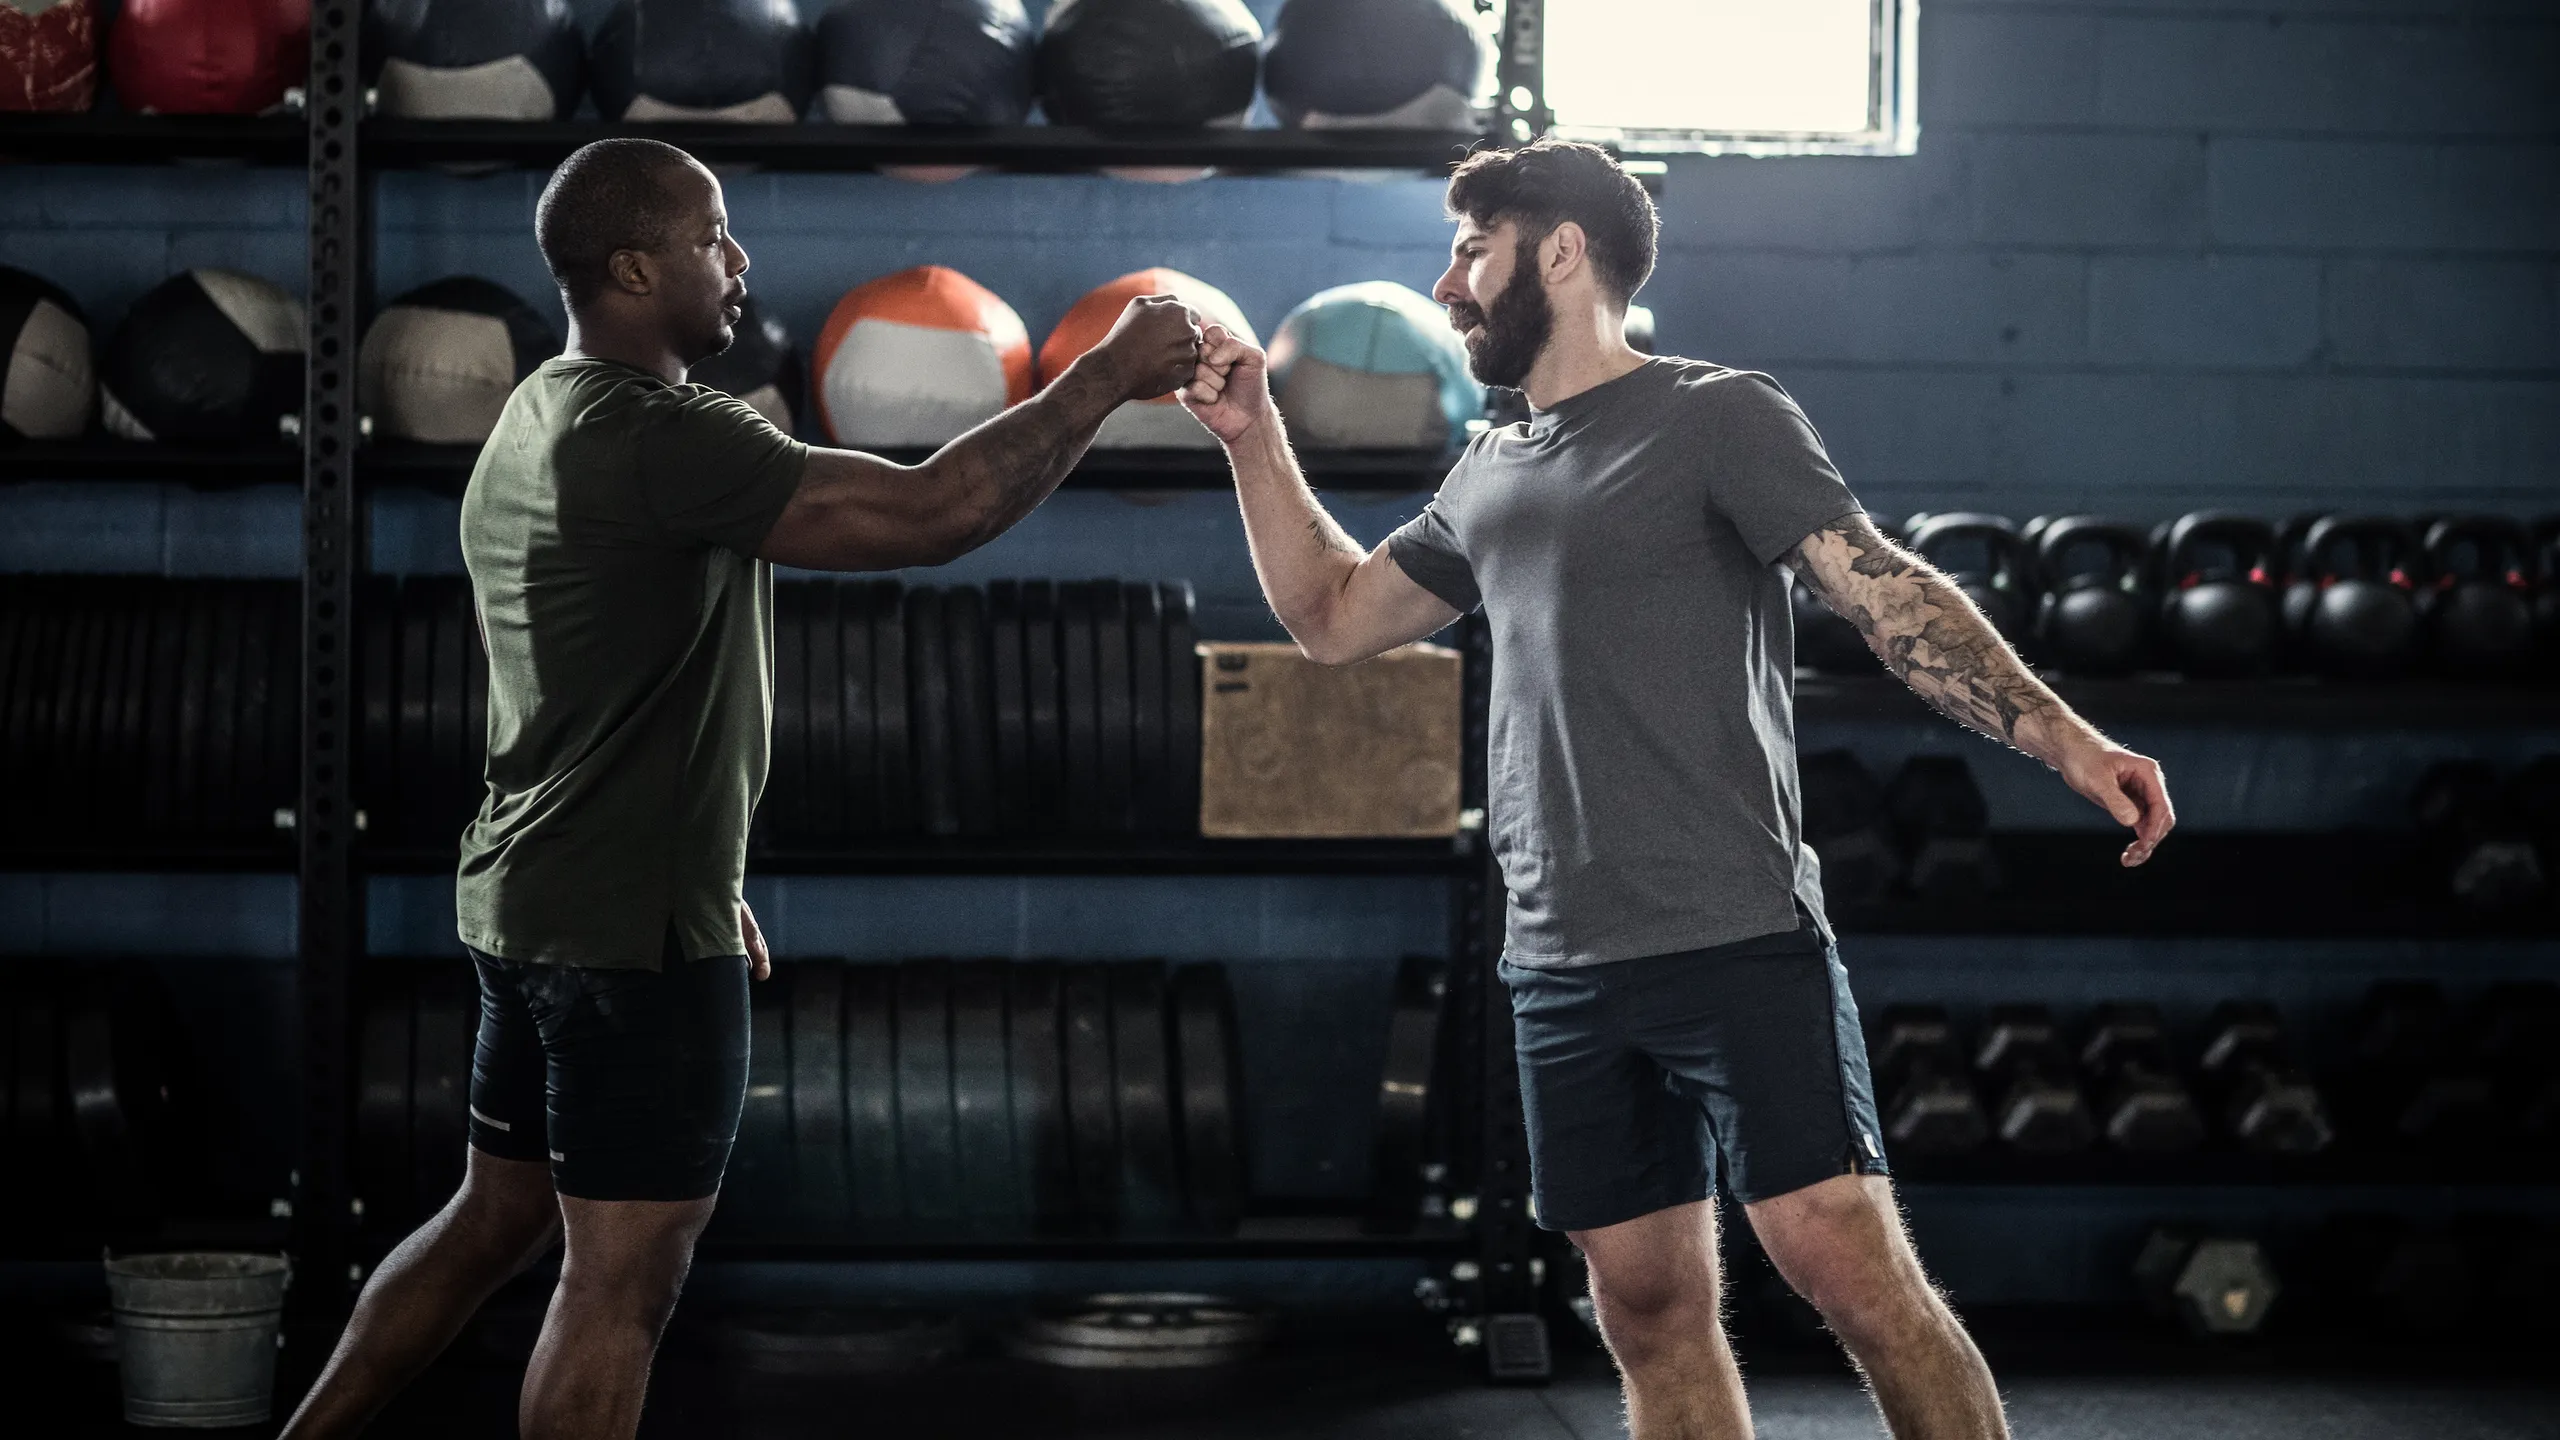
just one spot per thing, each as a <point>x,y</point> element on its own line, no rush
<point>1754,75</point>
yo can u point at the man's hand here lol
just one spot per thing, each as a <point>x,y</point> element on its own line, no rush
<point>759,963</point>
<point>1230,389</point>
<point>1152,348</point>
<point>2125,785</point>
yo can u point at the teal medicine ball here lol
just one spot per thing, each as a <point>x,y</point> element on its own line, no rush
<point>1373,366</point>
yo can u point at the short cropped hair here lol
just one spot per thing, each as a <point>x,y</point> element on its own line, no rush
<point>1543,184</point>
<point>611,195</point>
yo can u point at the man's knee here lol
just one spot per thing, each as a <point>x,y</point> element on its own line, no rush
<point>1840,1245</point>
<point>505,1210</point>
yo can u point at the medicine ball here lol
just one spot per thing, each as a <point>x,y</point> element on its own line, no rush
<point>1373,366</point>
<point>759,367</point>
<point>1140,424</point>
<point>915,358</point>
<point>474,59</point>
<point>438,364</point>
<point>925,62</point>
<point>209,57</point>
<point>45,392</point>
<point>210,356</point>
<point>48,54</point>
<point>1375,64</point>
<point>1148,62</point>
<point>749,61</point>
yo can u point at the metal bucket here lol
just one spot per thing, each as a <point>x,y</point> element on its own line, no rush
<point>196,1337</point>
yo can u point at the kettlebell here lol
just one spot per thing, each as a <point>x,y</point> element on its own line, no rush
<point>1981,554</point>
<point>2477,604</point>
<point>2217,601</point>
<point>2090,621</point>
<point>2349,602</point>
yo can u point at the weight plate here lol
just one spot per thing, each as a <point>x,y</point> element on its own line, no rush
<point>440,1086</point>
<point>249,750</point>
<point>378,682</point>
<point>1140,1332</point>
<point>760,1165</point>
<point>1111,726</point>
<point>929,711</point>
<point>444,722</point>
<point>1043,1158</point>
<point>56,716</point>
<point>817,1093</point>
<point>1082,761</point>
<point>871,1092</point>
<point>475,707</point>
<point>1043,742</point>
<point>1182,705</point>
<point>1146,708</point>
<point>226,727</point>
<point>284,707</point>
<point>1004,682</point>
<point>162,722</point>
<point>129,734</point>
<point>1093,1125</point>
<point>927,1154</point>
<point>73,771</point>
<point>415,746</point>
<point>861,750</point>
<point>783,813</point>
<point>114,1042</point>
<point>981,1098</point>
<point>822,798</point>
<point>973,738</point>
<point>837,1342</point>
<point>1150,1181</point>
<point>382,1148</point>
<point>193,711</point>
<point>1209,1070</point>
<point>31,704</point>
<point>895,754</point>
<point>1404,1096</point>
<point>16,599</point>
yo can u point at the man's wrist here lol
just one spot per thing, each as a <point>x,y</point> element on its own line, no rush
<point>1265,439</point>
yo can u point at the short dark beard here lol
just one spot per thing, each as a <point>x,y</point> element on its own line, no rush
<point>1515,328</point>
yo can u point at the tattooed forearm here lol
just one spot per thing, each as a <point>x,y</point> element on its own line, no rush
<point>1929,635</point>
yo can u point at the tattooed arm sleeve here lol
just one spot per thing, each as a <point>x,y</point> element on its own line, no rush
<point>1930,636</point>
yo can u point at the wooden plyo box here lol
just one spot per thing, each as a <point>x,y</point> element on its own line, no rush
<point>1290,749</point>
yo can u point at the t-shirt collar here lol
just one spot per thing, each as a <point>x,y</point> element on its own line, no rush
<point>1591,401</point>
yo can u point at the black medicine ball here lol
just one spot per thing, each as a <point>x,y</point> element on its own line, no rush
<point>438,364</point>
<point>759,367</point>
<point>745,60</point>
<point>1378,64</point>
<point>208,357</point>
<point>1148,62</point>
<point>46,389</point>
<point>925,62</point>
<point>474,59</point>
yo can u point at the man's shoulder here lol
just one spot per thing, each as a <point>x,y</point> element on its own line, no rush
<point>1707,385</point>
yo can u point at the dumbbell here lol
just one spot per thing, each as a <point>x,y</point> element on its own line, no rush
<point>2143,1107</point>
<point>1944,825</point>
<point>1930,1106</point>
<point>1844,822</point>
<point>2473,829</point>
<point>2215,1285</point>
<point>2040,1109</point>
<point>2416,1086</point>
<point>2265,1100</point>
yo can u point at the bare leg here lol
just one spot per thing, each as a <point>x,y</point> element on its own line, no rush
<point>502,1219</point>
<point>1655,1291</point>
<point>625,1265</point>
<point>1840,1243</point>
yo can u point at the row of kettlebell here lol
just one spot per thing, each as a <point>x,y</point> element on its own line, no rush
<point>2221,595</point>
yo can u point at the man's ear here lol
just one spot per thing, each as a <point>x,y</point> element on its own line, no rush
<point>1565,250</point>
<point>631,271</point>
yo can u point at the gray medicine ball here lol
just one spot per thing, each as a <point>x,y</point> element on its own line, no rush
<point>46,390</point>
<point>925,62</point>
<point>1148,62</point>
<point>438,364</point>
<point>749,61</point>
<point>1375,64</point>
<point>474,59</point>
<point>209,357</point>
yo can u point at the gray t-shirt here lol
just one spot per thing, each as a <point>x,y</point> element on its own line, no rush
<point>1643,752</point>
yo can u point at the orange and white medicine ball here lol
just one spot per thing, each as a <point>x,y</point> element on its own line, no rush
<point>918,357</point>
<point>1141,424</point>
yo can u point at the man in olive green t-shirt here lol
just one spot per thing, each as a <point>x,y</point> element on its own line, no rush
<point>620,530</point>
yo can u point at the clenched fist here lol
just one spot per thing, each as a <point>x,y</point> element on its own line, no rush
<point>1152,348</point>
<point>1230,388</point>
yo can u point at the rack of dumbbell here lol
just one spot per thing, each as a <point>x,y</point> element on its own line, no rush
<point>94,1097</point>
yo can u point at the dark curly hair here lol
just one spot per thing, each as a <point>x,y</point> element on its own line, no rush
<point>1545,183</point>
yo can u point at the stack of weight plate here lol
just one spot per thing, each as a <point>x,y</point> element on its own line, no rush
<point>988,1098</point>
<point>422,685</point>
<point>142,713</point>
<point>1155,1330</point>
<point>88,1071</point>
<point>413,1088</point>
<point>1024,709</point>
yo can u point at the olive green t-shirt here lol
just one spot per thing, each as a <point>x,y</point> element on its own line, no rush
<point>610,530</point>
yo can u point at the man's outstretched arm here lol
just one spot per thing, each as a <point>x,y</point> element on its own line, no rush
<point>854,511</point>
<point>1935,641</point>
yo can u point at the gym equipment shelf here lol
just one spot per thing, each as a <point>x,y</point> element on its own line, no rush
<point>110,460</point>
<point>98,139</point>
<point>1450,1243</point>
<point>926,856</point>
<point>2279,703</point>
<point>1028,149</point>
<point>445,469</point>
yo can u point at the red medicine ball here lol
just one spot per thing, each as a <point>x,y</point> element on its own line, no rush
<point>209,57</point>
<point>48,54</point>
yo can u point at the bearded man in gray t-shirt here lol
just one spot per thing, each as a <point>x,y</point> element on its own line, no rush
<point>1682,1017</point>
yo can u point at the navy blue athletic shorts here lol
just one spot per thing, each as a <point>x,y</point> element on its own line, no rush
<point>628,1081</point>
<point>1645,1082</point>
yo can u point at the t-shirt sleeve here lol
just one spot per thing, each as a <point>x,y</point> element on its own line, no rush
<point>1426,549</point>
<point>1767,471</point>
<point>716,471</point>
